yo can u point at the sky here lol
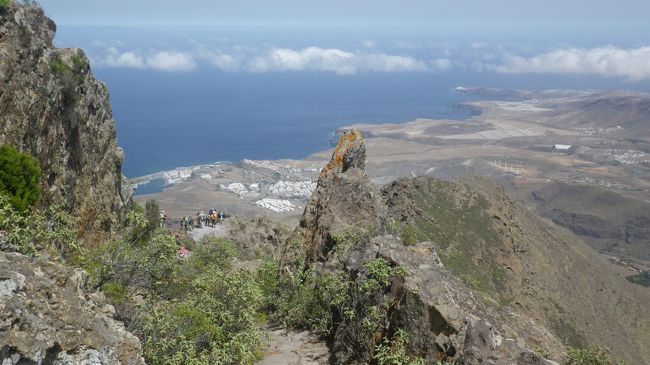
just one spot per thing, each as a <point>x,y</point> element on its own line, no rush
<point>560,37</point>
<point>350,12</point>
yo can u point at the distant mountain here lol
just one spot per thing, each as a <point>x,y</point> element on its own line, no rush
<point>626,109</point>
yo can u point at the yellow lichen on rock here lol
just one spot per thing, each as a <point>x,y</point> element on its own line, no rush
<point>348,141</point>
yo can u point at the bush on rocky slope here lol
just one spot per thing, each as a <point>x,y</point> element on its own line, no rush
<point>49,229</point>
<point>194,310</point>
<point>20,176</point>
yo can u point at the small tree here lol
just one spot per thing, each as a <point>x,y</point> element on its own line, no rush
<point>20,176</point>
<point>152,213</point>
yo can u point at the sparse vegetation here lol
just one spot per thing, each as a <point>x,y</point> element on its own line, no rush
<point>595,355</point>
<point>70,75</point>
<point>30,231</point>
<point>59,67</point>
<point>298,298</point>
<point>199,310</point>
<point>4,4</point>
<point>393,351</point>
<point>409,236</point>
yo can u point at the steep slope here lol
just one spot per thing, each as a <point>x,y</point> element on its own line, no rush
<point>505,252</point>
<point>609,221</point>
<point>485,280</point>
<point>52,107</point>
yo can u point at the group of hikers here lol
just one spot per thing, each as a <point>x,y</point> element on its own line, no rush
<point>211,219</point>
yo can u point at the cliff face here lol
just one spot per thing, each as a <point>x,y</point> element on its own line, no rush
<point>52,107</point>
<point>483,277</point>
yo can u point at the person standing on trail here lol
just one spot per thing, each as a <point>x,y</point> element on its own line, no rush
<point>163,219</point>
<point>190,222</point>
<point>221,216</point>
<point>199,220</point>
<point>213,218</point>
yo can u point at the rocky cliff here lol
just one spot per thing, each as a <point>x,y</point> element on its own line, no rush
<point>484,280</point>
<point>47,317</point>
<point>52,107</point>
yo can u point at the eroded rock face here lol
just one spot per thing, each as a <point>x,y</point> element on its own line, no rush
<point>344,197</point>
<point>47,317</point>
<point>52,107</point>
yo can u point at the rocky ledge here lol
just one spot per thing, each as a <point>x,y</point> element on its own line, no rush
<point>47,317</point>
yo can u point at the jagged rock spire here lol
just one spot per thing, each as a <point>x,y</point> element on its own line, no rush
<point>344,198</point>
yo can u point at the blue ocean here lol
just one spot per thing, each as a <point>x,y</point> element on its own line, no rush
<point>168,118</point>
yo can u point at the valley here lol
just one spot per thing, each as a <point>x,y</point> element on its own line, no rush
<point>579,159</point>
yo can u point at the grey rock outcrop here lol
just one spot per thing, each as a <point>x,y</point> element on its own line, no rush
<point>46,317</point>
<point>52,107</point>
<point>443,317</point>
<point>344,197</point>
<point>486,283</point>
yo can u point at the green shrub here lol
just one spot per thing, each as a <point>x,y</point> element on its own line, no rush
<point>393,351</point>
<point>4,4</point>
<point>379,274</point>
<point>199,310</point>
<point>115,292</point>
<point>152,214</point>
<point>297,297</point>
<point>594,355</point>
<point>213,324</point>
<point>79,62</point>
<point>20,176</point>
<point>59,67</point>
<point>409,235</point>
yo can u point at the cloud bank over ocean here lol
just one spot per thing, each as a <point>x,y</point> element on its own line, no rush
<point>333,60</point>
<point>630,64</point>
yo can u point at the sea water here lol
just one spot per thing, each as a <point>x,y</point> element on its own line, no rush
<point>170,119</point>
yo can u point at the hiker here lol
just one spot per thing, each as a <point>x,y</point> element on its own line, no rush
<point>184,223</point>
<point>213,218</point>
<point>163,219</point>
<point>190,222</point>
<point>221,216</point>
<point>182,251</point>
<point>199,220</point>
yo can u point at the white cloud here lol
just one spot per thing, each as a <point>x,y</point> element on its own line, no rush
<point>171,61</point>
<point>225,62</point>
<point>161,61</point>
<point>333,60</point>
<point>126,59</point>
<point>632,64</point>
